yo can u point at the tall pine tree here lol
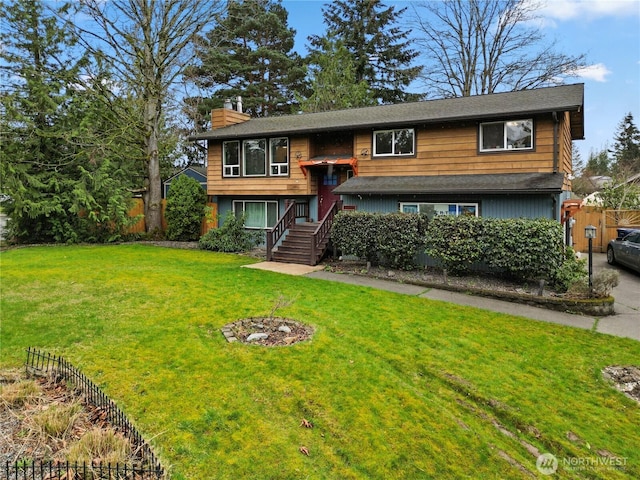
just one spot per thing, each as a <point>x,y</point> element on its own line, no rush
<point>333,81</point>
<point>249,54</point>
<point>380,50</point>
<point>626,149</point>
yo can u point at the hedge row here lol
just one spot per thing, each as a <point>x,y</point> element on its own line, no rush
<point>392,239</point>
<point>520,248</point>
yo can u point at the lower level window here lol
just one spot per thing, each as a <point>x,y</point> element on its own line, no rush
<point>258,214</point>
<point>435,209</point>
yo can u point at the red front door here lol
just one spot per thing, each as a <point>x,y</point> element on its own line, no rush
<point>326,183</point>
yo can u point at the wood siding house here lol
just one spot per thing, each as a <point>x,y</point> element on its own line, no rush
<point>501,155</point>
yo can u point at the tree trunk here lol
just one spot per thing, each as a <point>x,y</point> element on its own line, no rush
<point>154,192</point>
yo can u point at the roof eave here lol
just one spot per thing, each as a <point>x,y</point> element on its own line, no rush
<point>220,134</point>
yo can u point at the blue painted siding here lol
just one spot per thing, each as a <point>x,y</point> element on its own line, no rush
<point>516,206</point>
<point>225,204</point>
<point>201,179</point>
<point>372,204</point>
<point>496,206</point>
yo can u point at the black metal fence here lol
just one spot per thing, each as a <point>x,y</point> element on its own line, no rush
<point>76,471</point>
<point>147,466</point>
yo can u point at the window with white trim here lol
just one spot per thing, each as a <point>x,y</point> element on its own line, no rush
<point>231,159</point>
<point>279,156</point>
<point>259,214</point>
<point>436,209</point>
<point>393,142</point>
<point>254,158</point>
<point>512,135</point>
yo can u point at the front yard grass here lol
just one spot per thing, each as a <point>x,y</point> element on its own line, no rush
<point>395,386</point>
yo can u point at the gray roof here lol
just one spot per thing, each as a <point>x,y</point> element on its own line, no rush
<point>519,183</point>
<point>526,102</point>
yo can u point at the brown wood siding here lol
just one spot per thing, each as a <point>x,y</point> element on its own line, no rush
<point>223,117</point>
<point>334,143</point>
<point>441,150</point>
<point>454,151</point>
<point>566,150</point>
<point>294,184</point>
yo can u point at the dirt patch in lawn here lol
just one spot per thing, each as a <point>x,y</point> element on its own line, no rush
<point>267,331</point>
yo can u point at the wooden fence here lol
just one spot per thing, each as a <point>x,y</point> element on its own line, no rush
<point>208,222</point>
<point>606,222</point>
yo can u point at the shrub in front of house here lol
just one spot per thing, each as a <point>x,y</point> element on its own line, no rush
<point>392,240</point>
<point>185,209</point>
<point>231,237</point>
<point>524,249</point>
<point>457,243</point>
<point>401,237</point>
<point>356,233</point>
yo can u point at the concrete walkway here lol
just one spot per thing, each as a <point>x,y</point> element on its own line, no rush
<point>625,323</point>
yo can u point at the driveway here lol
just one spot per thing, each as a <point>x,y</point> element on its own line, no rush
<point>627,295</point>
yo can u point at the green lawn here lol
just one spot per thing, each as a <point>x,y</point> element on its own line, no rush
<point>396,387</point>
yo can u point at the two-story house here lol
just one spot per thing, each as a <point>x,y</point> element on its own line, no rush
<point>501,155</point>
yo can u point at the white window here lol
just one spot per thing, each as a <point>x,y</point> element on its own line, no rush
<point>231,159</point>
<point>393,142</point>
<point>436,209</point>
<point>258,214</point>
<point>279,156</point>
<point>512,135</point>
<point>254,158</point>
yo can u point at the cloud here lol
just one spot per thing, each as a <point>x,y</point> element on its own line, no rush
<point>571,9</point>
<point>597,72</point>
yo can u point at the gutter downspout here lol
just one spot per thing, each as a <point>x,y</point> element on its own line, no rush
<point>556,124</point>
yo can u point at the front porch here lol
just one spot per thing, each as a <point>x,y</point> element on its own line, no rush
<point>301,242</point>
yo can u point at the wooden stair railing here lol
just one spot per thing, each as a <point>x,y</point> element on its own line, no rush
<point>321,233</point>
<point>294,210</point>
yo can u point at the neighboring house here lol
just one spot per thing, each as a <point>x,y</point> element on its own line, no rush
<point>197,173</point>
<point>595,199</point>
<point>501,155</point>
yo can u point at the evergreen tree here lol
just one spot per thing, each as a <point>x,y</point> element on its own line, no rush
<point>381,53</point>
<point>333,81</point>
<point>58,183</point>
<point>626,149</point>
<point>249,54</point>
<point>185,210</point>
<point>598,164</point>
<point>64,177</point>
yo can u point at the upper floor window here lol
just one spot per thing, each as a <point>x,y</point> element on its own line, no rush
<point>231,159</point>
<point>512,135</point>
<point>254,157</point>
<point>393,142</point>
<point>279,156</point>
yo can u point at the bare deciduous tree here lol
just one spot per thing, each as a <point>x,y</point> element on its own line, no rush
<point>475,47</point>
<point>148,43</point>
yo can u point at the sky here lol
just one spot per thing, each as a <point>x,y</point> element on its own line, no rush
<point>606,31</point>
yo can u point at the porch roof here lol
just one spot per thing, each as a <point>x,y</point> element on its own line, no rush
<point>507,183</point>
<point>563,98</point>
